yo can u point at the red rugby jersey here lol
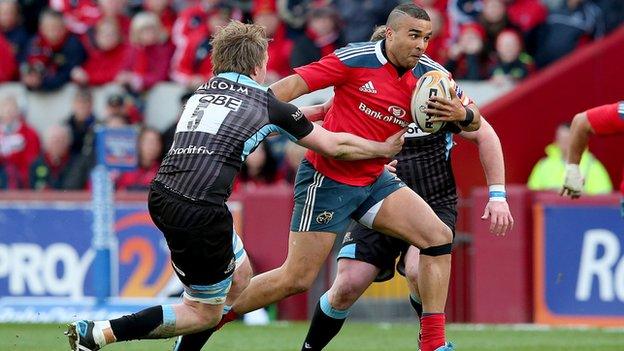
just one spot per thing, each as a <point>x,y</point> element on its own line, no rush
<point>371,100</point>
<point>606,120</point>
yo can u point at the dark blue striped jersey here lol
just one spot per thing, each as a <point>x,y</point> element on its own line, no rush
<point>222,123</point>
<point>424,162</point>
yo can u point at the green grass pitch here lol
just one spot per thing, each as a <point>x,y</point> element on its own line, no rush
<point>354,337</point>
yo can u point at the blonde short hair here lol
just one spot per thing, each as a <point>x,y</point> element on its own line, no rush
<point>239,48</point>
<point>142,20</point>
<point>379,33</point>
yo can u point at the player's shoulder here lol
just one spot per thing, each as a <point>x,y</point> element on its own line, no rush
<point>361,55</point>
<point>427,64</point>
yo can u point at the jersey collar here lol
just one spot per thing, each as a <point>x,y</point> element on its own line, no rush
<point>241,79</point>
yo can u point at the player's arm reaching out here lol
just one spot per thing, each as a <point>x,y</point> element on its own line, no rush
<point>491,155</point>
<point>579,136</point>
<point>345,146</point>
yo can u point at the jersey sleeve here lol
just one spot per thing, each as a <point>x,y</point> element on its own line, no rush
<point>463,97</point>
<point>288,118</point>
<point>607,119</point>
<point>328,71</point>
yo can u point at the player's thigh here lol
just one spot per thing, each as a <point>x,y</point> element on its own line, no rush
<point>406,215</point>
<point>367,245</point>
<point>200,239</point>
<point>307,251</point>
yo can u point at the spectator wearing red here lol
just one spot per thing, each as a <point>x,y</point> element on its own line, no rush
<point>115,9</point>
<point>195,65</point>
<point>280,46</point>
<point>106,54</point>
<point>19,144</point>
<point>164,11</point>
<point>149,57</point>
<point>321,37</point>
<point>194,18</point>
<point>149,146</point>
<point>79,15</point>
<point>8,64</point>
<point>12,28</point>
<point>528,16</point>
<point>51,168</point>
<point>51,55</point>
<point>465,58</point>
<point>512,64</point>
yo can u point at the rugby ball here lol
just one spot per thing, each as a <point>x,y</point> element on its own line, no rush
<point>432,83</point>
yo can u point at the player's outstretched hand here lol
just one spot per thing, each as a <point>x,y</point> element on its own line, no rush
<point>501,220</point>
<point>444,110</point>
<point>573,183</point>
<point>391,167</point>
<point>394,143</point>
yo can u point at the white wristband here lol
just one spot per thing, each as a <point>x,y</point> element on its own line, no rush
<point>498,193</point>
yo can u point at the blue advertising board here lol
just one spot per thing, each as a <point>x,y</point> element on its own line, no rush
<point>579,265</point>
<point>47,257</point>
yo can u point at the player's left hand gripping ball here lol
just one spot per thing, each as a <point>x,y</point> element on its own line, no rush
<point>446,110</point>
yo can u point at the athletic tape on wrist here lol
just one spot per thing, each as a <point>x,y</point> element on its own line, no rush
<point>498,193</point>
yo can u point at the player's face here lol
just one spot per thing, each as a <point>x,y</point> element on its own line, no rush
<point>408,42</point>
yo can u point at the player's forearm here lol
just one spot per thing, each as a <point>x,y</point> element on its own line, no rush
<point>313,113</point>
<point>579,136</point>
<point>289,88</point>
<point>490,154</point>
<point>350,147</point>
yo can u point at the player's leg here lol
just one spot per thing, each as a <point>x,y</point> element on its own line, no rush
<point>408,263</point>
<point>405,215</point>
<point>323,208</point>
<point>306,254</point>
<point>197,312</point>
<point>365,256</point>
<point>411,275</point>
<point>242,275</point>
<point>352,279</point>
<point>200,240</point>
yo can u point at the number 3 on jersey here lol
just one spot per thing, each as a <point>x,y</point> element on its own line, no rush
<point>206,112</point>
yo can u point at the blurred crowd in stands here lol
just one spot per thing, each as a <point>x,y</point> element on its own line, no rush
<point>137,44</point>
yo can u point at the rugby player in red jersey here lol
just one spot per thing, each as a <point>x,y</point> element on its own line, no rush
<point>373,83</point>
<point>601,120</point>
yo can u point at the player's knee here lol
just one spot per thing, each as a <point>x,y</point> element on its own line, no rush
<point>342,297</point>
<point>207,317</point>
<point>300,284</point>
<point>242,276</point>
<point>411,273</point>
<point>440,243</point>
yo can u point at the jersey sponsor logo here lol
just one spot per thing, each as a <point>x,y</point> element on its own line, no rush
<point>396,111</point>
<point>414,132</point>
<point>368,87</point>
<point>382,117</point>
<point>221,85</point>
<point>324,217</point>
<point>297,115</point>
<point>191,149</point>
<point>347,238</point>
